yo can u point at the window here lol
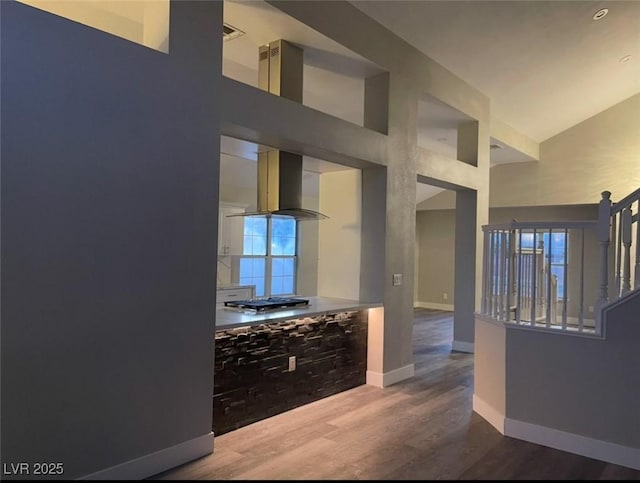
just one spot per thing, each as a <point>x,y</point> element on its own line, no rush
<point>269,255</point>
<point>555,253</point>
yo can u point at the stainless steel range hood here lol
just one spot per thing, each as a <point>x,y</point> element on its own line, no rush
<point>280,172</point>
<point>280,187</point>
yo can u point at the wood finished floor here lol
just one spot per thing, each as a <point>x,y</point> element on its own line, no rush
<point>422,429</point>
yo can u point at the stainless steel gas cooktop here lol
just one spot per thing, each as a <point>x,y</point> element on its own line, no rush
<point>266,305</point>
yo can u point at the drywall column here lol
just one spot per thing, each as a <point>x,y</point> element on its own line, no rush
<point>372,266</point>
<point>472,211</point>
<point>374,195</point>
<point>372,252</point>
<point>465,266</point>
<point>389,227</point>
<point>400,230</point>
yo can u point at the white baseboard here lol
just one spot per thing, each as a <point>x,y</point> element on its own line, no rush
<point>574,443</point>
<point>462,346</point>
<point>154,463</point>
<point>494,417</point>
<point>554,438</point>
<point>433,305</point>
<point>375,379</point>
<point>386,379</point>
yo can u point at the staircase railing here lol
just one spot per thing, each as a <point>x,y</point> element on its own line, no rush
<point>619,231</point>
<point>534,274</point>
<point>546,275</point>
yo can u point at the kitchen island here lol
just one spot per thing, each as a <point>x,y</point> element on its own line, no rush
<point>272,362</point>
<point>227,318</point>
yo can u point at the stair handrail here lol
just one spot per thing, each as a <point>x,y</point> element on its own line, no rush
<point>616,225</point>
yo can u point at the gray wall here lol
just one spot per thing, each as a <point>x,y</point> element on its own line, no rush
<point>436,237</point>
<point>109,217</point>
<point>601,401</point>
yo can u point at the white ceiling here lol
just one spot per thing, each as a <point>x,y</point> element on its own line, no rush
<point>438,132</point>
<point>545,65</point>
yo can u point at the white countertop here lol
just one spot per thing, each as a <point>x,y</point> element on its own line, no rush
<point>227,318</point>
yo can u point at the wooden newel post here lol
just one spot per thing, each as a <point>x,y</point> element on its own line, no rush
<point>604,233</point>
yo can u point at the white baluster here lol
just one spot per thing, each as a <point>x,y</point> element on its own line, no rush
<point>626,242</point>
<point>616,243</point>
<point>534,282</point>
<point>604,217</point>
<point>485,273</point>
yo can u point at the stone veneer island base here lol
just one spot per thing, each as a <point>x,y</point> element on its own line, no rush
<point>252,377</point>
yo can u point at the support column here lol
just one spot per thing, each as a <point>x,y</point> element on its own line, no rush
<point>472,211</point>
<point>465,266</point>
<point>388,222</point>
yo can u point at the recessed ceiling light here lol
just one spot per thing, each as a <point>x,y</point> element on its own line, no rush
<point>600,13</point>
<point>625,59</point>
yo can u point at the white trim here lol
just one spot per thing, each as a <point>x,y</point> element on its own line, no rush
<point>433,305</point>
<point>398,375</point>
<point>494,417</point>
<point>154,463</point>
<point>574,443</point>
<point>386,379</point>
<point>375,379</point>
<point>462,346</point>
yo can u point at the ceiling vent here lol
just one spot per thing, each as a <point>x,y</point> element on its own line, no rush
<point>230,32</point>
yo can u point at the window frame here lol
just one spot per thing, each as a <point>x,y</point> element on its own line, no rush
<point>269,257</point>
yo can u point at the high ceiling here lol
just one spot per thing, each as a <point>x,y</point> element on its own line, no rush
<point>545,65</point>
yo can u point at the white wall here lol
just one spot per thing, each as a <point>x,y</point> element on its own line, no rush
<point>339,236</point>
<point>601,153</point>
<point>145,22</point>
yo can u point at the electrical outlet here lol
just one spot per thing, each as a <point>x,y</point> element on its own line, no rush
<point>591,308</point>
<point>292,363</point>
<point>445,296</point>
<point>397,279</point>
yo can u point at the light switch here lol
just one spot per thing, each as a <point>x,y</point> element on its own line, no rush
<point>397,279</point>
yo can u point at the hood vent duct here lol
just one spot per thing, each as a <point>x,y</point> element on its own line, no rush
<point>280,172</point>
